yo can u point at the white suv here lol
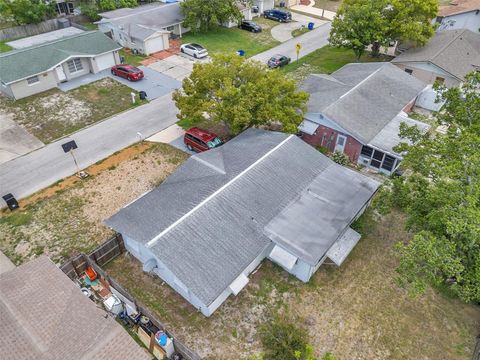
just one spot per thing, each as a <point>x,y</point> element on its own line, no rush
<point>195,50</point>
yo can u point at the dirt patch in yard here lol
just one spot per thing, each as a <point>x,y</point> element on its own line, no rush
<point>355,312</point>
<point>67,218</point>
<point>54,113</point>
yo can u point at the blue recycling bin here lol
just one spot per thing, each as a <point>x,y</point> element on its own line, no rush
<point>310,25</point>
<point>241,52</point>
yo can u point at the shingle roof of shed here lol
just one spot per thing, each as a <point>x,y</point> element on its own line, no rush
<point>455,51</point>
<point>362,98</point>
<point>44,315</point>
<point>20,64</point>
<point>207,220</point>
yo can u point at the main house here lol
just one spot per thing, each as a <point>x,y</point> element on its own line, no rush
<point>459,14</point>
<point>358,109</point>
<point>261,195</point>
<point>446,58</point>
<point>44,315</point>
<point>41,67</point>
<point>146,29</point>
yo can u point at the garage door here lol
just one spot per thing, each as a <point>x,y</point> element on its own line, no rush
<point>154,44</point>
<point>105,61</point>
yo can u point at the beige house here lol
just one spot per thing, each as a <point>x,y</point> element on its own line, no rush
<point>447,58</point>
<point>34,69</point>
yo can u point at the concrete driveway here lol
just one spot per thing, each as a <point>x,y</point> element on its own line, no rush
<point>172,135</point>
<point>155,84</point>
<point>311,41</point>
<point>283,32</point>
<point>176,66</point>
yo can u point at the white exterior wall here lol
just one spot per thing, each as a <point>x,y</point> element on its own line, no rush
<point>469,20</point>
<point>428,72</point>
<point>104,61</point>
<point>85,70</point>
<point>156,43</point>
<point>21,89</point>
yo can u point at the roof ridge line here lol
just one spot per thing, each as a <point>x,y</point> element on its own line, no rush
<point>360,83</point>
<point>211,196</point>
<point>443,48</point>
<point>16,51</point>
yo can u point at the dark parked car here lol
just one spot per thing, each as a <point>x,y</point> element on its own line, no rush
<point>278,15</point>
<point>251,26</point>
<point>201,140</point>
<point>128,72</point>
<point>278,61</point>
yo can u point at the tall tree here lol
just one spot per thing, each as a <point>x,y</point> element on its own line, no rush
<point>202,16</point>
<point>27,11</point>
<point>363,23</point>
<point>237,94</point>
<point>441,197</point>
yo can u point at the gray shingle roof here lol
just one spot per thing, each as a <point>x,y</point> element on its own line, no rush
<point>455,51</point>
<point>253,178</point>
<point>19,64</point>
<point>362,98</point>
<point>44,315</point>
<point>154,17</point>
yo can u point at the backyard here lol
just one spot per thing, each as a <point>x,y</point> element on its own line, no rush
<point>54,113</point>
<point>325,60</point>
<point>66,218</point>
<point>355,312</point>
<point>231,40</point>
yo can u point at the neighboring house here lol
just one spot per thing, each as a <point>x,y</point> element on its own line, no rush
<point>245,10</point>
<point>460,14</point>
<point>41,67</point>
<point>66,7</point>
<point>446,58</point>
<point>44,315</point>
<point>358,110</point>
<point>261,195</point>
<point>147,29</point>
<point>263,5</point>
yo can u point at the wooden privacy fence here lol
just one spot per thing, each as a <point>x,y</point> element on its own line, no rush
<point>109,250</point>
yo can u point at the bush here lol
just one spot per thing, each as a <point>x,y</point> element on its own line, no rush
<point>340,158</point>
<point>283,340</point>
<point>90,11</point>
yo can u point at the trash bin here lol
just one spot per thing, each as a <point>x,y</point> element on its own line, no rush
<point>142,94</point>
<point>122,59</point>
<point>310,25</point>
<point>241,52</point>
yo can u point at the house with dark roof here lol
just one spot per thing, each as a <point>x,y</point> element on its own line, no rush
<point>146,29</point>
<point>459,14</point>
<point>358,109</point>
<point>446,58</point>
<point>44,315</point>
<point>261,195</point>
<point>33,69</point>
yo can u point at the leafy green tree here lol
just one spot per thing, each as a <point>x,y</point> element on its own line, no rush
<point>441,197</point>
<point>202,16</point>
<point>237,94</point>
<point>376,23</point>
<point>27,11</point>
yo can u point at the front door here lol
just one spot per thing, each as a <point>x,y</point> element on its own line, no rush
<point>60,74</point>
<point>341,141</point>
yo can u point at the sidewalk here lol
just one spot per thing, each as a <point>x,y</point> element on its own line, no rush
<point>314,11</point>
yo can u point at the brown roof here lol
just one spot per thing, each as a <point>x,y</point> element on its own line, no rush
<point>458,7</point>
<point>44,315</point>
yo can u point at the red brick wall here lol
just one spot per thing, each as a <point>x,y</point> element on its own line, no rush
<point>327,138</point>
<point>409,106</point>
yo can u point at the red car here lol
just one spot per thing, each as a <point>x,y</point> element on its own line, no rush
<point>201,140</point>
<point>128,72</point>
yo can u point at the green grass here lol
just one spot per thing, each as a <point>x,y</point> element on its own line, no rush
<point>325,60</point>
<point>300,31</point>
<point>223,40</point>
<point>90,26</point>
<point>132,59</point>
<point>17,219</point>
<point>4,47</point>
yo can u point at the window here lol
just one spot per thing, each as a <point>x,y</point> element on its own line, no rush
<point>341,140</point>
<point>75,65</point>
<point>33,80</point>
<point>170,28</point>
<point>439,80</point>
<point>377,159</point>
<point>388,163</point>
<point>409,71</point>
<point>367,151</point>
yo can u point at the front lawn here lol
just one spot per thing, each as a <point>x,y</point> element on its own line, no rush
<point>67,218</point>
<point>129,58</point>
<point>54,113</point>
<point>4,47</point>
<point>325,60</point>
<point>223,40</point>
<point>356,311</point>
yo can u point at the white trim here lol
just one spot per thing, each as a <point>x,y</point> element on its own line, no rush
<point>198,206</point>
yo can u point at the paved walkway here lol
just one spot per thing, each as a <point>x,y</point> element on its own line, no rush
<point>310,42</point>
<point>39,169</point>
<point>314,11</point>
<point>283,32</point>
